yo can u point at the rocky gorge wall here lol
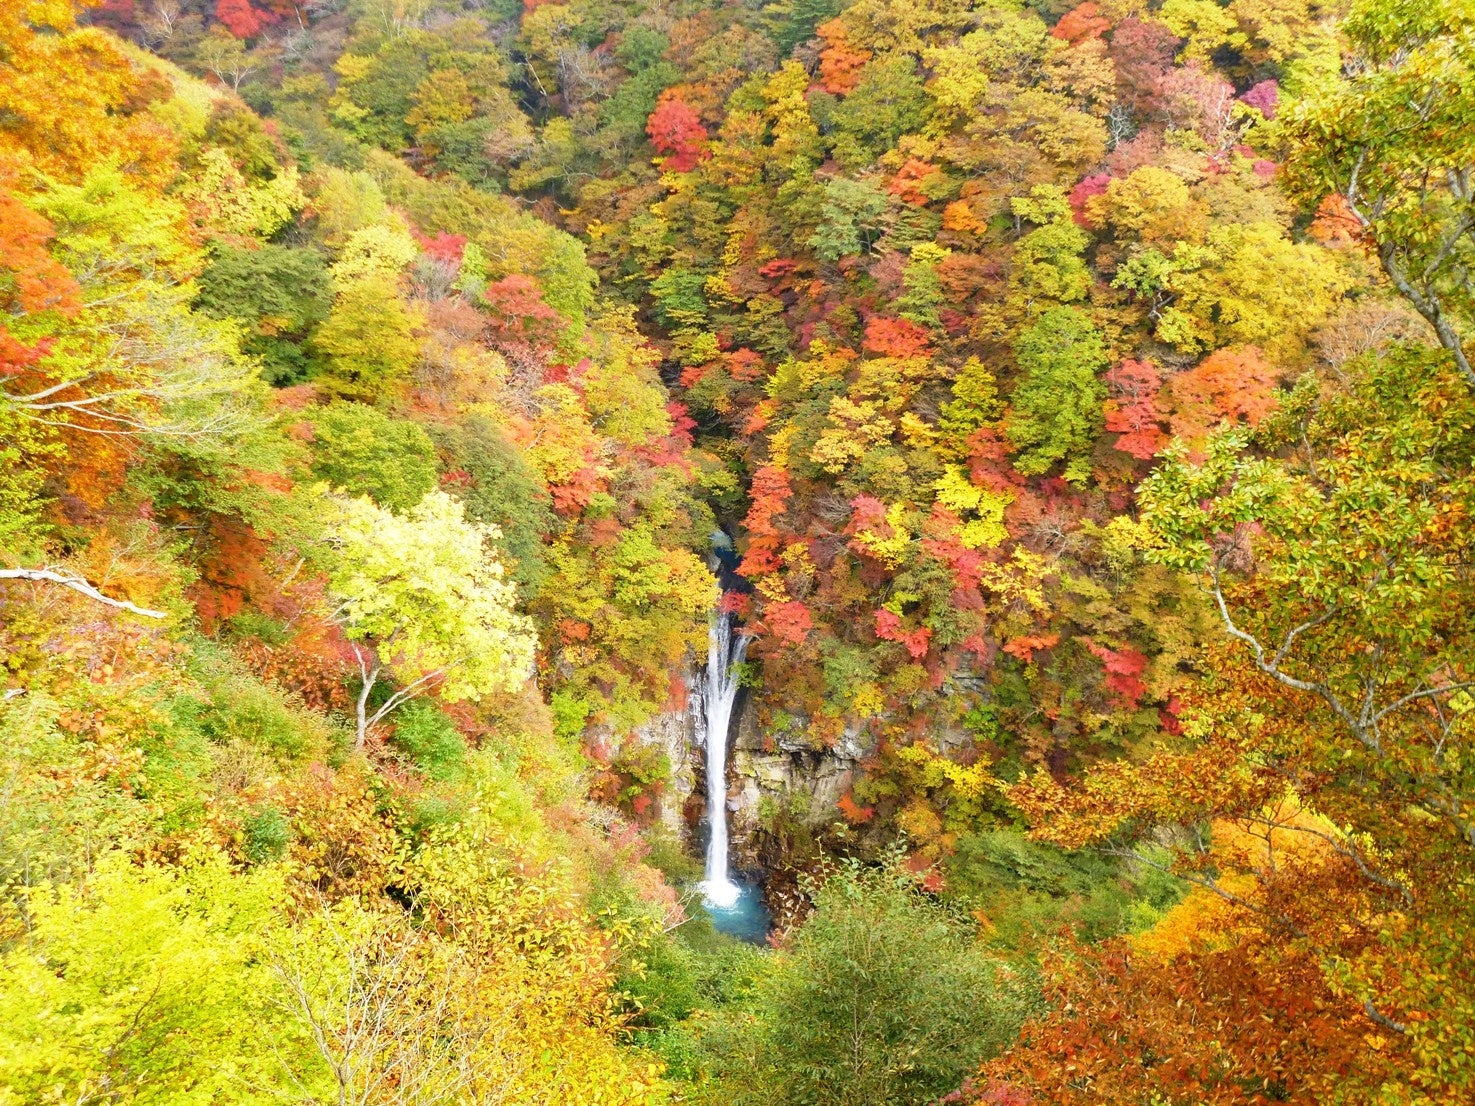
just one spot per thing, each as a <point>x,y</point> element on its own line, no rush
<point>767,773</point>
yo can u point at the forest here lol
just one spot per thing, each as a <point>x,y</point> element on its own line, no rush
<point>1068,406</point>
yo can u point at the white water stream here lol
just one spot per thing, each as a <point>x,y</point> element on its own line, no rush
<point>724,652</point>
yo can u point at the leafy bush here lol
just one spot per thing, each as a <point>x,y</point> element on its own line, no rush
<point>281,291</point>
<point>268,833</point>
<point>250,622</point>
<point>150,979</point>
<point>667,855</point>
<point>506,492</point>
<point>242,708</point>
<point>1029,888</point>
<point>663,989</point>
<point>433,813</point>
<point>428,736</point>
<point>570,712</point>
<point>713,976</point>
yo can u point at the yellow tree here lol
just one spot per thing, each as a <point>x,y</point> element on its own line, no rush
<point>423,596</point>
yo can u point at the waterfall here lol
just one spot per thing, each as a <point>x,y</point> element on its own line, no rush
<point>724,651</point>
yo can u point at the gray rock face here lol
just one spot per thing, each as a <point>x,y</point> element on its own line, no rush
<point>783,770</point>
<point>679,735</point>
<point>767,771</point>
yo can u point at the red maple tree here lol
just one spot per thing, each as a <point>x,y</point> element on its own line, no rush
<point>676,130</point>
<point>242,19</point>
<point>1132,411</point>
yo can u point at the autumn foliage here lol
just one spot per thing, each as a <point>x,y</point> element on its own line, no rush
<point>676,130</point>
<point>242,18</point>
<point>1071,402</point>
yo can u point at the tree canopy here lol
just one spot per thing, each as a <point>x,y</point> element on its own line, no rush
<point>1069,403</point>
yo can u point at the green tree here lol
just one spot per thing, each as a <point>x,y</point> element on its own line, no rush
<point>145,986</point>
<point>1390,134</point>
<point>792,23</point>
<point>680,300</point>
<point>885,999</point>
<point>1055,411</point>
<point>282,285</point>
<point>504,492</point>
<point>1049,261</point>
<point>853,218</point>
<point>922,292</point>
<point>1246,284</point>
<point>346,202</point>
<point>369,339</point>
<point>975,403</point>
<point>888,103</point>
<point>363,451</point>
<point>281,291</point>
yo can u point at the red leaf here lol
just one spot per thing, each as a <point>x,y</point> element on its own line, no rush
<point>1024,647</point>
<point>789,622</point>
<point>241,19</point>
<point>676,130</point>
<point>1132,411</point>
<point>770,492</point>
<point>1081,23</point>
<point>896,337</point>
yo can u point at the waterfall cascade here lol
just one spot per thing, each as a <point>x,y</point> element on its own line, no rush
<point>725,650</point>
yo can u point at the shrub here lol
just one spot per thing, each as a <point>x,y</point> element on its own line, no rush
<point>241,708</point>
<point>268,833</point>
<point>428,736</point>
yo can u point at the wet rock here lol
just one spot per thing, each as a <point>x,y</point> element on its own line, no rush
<point>767,772</point>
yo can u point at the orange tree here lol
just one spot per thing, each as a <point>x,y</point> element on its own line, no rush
<point>1322,784</point>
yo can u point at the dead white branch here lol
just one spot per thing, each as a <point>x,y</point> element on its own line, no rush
<point>77,584</point>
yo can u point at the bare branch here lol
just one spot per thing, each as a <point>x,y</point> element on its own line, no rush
<point>1426,693</point>
<point>1209,883</point>
<point>1342,848</point>
<point>1382,1019</point>
<point>77,584</point>
<point>1272,668</point>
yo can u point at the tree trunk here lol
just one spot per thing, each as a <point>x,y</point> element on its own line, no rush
<point>368,679</point>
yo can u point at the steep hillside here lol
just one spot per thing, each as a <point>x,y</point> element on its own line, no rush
<point>1079,394</point>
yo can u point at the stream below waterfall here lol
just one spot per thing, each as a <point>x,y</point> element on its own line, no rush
<point>746,918</point>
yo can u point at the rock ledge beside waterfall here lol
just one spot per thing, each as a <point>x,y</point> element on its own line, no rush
<point>766,772</point>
